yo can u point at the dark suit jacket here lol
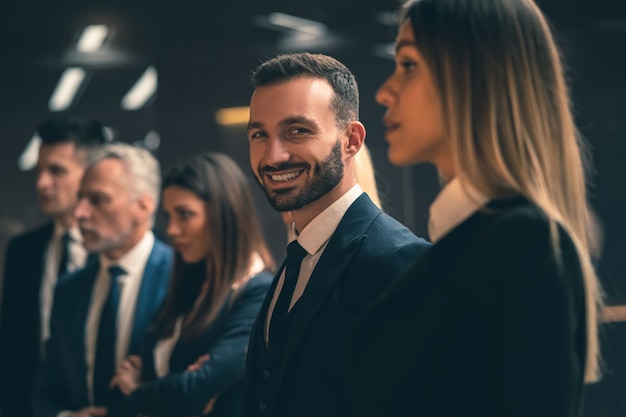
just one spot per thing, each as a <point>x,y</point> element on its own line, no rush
<point>485,324</point>
<point>62,383</point>
<point>20,326</point>
<point>184,394</point>
<point>366,252</point>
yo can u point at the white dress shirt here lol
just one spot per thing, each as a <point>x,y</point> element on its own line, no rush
<point>314,239</point>
<point>77,257</point>
<point>134,263</point>
<point>454,204</point>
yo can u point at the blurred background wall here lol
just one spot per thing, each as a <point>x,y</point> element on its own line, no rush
<point>201,53</point>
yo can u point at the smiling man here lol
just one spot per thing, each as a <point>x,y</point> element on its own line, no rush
<point>304,134</point>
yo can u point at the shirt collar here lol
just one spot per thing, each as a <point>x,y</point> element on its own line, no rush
<point>454,204</point>
<point>321,228</point>
<point>133,261</point>
<point>74,232</point>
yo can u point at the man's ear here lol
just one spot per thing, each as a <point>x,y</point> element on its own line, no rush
<point>145,204</point>
<point>355,131</point>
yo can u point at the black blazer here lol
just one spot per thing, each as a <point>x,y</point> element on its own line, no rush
<point>366,252</point>
<point>20,326</point>
<point>184,394</point>
<point>488,323</point>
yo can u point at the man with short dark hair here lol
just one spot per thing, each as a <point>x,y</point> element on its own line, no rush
<point>303,134</point>
<point>35,259</point>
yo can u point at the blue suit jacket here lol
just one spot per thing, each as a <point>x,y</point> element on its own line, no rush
<point>184,394</point>
<point>20,329</point>
<point>368,250</point>
<point>62,383</point>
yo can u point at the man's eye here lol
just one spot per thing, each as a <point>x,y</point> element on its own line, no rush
<point>257,135</point>
<point>57,171</point>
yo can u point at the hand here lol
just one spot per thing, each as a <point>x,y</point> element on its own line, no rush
<point>90,412</point>
<point>128,375</point>
<point>194,367</point>
<point>198,363</point>
<point>209,406</point>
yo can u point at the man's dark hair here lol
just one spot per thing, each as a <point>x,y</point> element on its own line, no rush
<point>289,66</point>
<point>84,134</point>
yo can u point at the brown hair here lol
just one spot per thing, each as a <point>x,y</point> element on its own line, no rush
<point>236,237</point>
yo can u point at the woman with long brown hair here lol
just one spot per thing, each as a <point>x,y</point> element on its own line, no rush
<point>195,354</point>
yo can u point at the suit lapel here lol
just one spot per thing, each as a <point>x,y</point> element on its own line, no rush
<point>150,295</point>
<point>39,248</point>
<point>86,281</point>
<point>431,265</point>
<point>330,268</point>
<point>33,267</point>
<point>323,281</point>
<point>259,325</point>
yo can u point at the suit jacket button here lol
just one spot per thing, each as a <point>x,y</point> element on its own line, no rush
<point>266,374</point>
<point>263,406</point>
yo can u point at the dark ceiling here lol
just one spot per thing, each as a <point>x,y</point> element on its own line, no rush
<point>37,39</point>
<point>204,51</point>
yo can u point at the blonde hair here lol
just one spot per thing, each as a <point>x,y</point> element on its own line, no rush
<point>508,116</point>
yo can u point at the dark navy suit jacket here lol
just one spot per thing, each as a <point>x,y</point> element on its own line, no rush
<point>62,383</point>
<point>20,328</point>
<point>367,251</point>
<point>184,394</point>
<point>489,322</point>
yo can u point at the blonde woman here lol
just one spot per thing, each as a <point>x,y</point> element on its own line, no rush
<point>499,317</point>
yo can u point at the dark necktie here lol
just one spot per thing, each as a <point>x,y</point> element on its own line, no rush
<point>104,366</point>
<point>66,240</point>
<point>279,323</point>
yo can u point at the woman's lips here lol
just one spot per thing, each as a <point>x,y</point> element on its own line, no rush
<point>390,124</point>
<point>181,247</point>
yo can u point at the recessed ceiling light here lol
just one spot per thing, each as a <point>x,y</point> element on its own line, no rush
<point>92,38</point>
<point>142,91</point>
<point>284,21</point>
<point>30,154</point>
<point>66,89</point>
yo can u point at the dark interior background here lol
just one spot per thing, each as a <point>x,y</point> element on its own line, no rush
<point>204,51</point>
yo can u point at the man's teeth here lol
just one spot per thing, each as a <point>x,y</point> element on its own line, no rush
<point>285,177</point>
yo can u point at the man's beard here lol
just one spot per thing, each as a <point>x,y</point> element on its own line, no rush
<point>328,173</point>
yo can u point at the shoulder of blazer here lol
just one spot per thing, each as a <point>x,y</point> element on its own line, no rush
<point>79,278</point>
<point>355,222</point>
<point>162,253</point>
<point>77,286</point>
<point>517,215</point>
<point>39,237</point>
<point>258,285</point>
<point>365,218</point>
